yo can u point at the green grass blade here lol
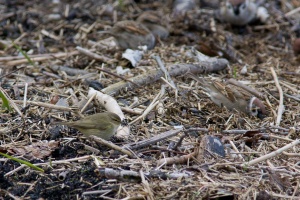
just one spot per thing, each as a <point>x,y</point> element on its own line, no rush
<point>22,162</point>
<point>23,53</point>
<point>5,102</point>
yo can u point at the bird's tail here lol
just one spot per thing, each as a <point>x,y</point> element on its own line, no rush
<point>207,86</point>
<point>193,76</point>
<point>60,123</point>
<point>199,79</point>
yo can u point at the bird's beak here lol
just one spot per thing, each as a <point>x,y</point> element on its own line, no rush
<point>260,115</point>
<point>236,9</point>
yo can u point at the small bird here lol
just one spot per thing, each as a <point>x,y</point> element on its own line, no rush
<point>180,7</point>
<point>130,34</point>
<point>152,20</point>
<point>214,4</point>
<point>232,97</point>
<point>103,125</point>
<point>241,12</point>
<point>296,46</point>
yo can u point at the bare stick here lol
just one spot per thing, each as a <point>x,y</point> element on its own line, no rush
<point>281,106</point>
<point>153,104</point>
<point>25,95</point>
<point>146,186</point>
<point>292,12</point>
<point>236,150</point>
<point>286,153</point>
<point>111,145</point>
<point>154,139</point>
<point>161,137</point>
<point>163,68</point>
<point>46,105</point>
<point>41,58</point>
<point>116,75</point>
<point>93,55</point>
<point>88,102</point>
<point>272,154</point>
<point>146,112</point>
<point>132,111</point>
<point>173,69</point>
<point>176,159</point>
<point>49,55</point>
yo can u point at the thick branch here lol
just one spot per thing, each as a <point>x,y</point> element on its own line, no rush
<point>174,70</point>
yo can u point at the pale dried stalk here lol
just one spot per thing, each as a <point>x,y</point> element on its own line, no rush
<point>146,186</point>
<point>272,154</point>
<point>281,106</point>
<point>176,159</point>
<point>111,145</point>
<point>236,150</point>
<point>93,55</point>
<point>151,106</point>
<point>40,58</point>
<point>46,105</point>
<point>153,139</point>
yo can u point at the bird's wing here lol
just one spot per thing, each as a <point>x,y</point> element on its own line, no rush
<point>250,91</point>
<point>134,27</point>
<point>227,91</point>
<point>85,125</point>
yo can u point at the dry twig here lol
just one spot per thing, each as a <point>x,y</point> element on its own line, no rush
<point>281,106</point>
<point>272,154</point>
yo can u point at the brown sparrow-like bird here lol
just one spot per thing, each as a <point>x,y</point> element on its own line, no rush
<point>214,4</point>
<point>180,7</point>
<point>296,46</point>
<point>241,12</point>
<point>131,34</point>
<point>232,97</point>
<point>152,20</point>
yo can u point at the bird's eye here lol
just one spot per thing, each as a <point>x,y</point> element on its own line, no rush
<point>229,6</point>
<point>260,115</point>
<point>243,6</point>
<point>254,111</point>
